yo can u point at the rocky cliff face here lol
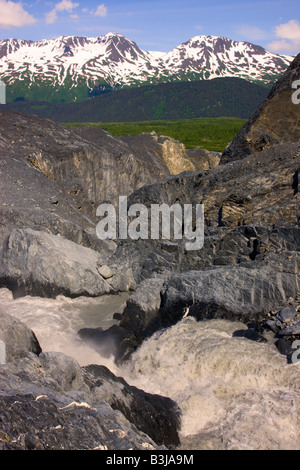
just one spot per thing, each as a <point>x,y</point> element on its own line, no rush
<point>275,121</point>
<point>62,176</point>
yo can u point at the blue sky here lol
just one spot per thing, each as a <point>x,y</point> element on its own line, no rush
<point>157,24</point>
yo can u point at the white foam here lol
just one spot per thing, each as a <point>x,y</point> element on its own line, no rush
<point>241,392</point>
<point>233,393</point>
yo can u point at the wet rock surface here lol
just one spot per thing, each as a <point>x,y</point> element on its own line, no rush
<point>18,340</point>
<point>48,401</point>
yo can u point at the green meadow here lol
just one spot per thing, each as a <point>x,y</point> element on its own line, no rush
<point>208,133</point>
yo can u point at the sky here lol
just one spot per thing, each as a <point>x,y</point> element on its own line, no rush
<point>157,25</point>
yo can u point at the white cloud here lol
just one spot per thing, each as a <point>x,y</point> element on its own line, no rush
<point>13,14</point>
<point>63,5</point>
<point>101,10</point>
<point>290,30</point>
<point>288,35</point>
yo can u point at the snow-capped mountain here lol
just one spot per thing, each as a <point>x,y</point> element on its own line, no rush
<point>72,63</point>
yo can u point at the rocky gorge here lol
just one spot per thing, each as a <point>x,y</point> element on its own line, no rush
<point>247,272</point>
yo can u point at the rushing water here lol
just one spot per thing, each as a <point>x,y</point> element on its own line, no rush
<point>233,393</point>
<point>56,322</point>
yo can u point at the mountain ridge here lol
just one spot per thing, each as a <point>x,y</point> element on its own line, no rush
<point>67,68</point>
<point>231,97</point>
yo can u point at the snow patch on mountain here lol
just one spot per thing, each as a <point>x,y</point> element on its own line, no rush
<point>114,59</point>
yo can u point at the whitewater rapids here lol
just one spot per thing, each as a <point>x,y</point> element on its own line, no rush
<point>234,393</point>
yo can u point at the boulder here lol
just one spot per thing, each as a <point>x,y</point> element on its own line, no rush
<point>285,321</point>
<point>17,340</point>
<point>39,263</point>
<point>233,292</point>
<point>156,416</point>
<point>105,271</point>
<point>142,306</point>
<point>238,293</point>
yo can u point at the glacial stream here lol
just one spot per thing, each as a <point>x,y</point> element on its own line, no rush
<point>234,393</point>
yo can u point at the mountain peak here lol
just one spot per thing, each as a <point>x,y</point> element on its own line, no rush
<point>114,59</point>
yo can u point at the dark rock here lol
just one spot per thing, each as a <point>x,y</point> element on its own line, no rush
<point>274,325</point>
<point>287,314</point>
<point>110,342</point>
<point>276,120</point>
<point>245,293</point>
<point>253,325</point>
<point>250,334</point>
<point>18,339</point>
<point>285,348</point>
<point>237,194</point>
<point>233,292</point>
<point>117,316</point>
<point>142,306</point>
<point>291,330</point>
<point>156,416</point>
<point>50,403</point>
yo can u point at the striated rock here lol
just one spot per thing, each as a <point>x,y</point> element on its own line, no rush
<point>63,174</point>
<point>259,190</point>
<point>102,165</point>
<point>275,121</point>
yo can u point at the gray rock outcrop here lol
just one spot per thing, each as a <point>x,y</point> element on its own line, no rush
<point>275,121</point>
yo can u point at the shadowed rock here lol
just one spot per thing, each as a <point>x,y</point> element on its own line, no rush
<point>276,120</point>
